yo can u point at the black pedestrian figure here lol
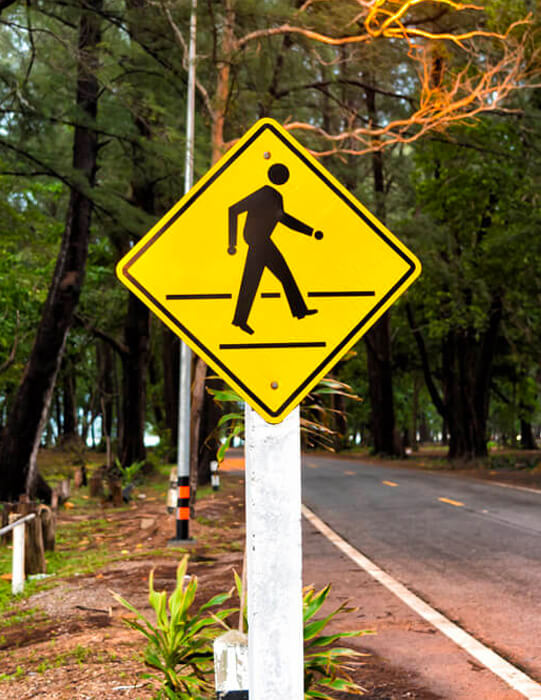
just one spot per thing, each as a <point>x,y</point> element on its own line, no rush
<point>265,210</point>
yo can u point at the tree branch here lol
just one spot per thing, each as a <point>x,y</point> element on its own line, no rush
<point>343,81</point>
<point>459,96</point>
<point>180,41</point>
<point>51,172</point>
<point>117,346</point>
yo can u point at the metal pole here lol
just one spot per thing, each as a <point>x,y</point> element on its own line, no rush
<point>274,556</point>
<point>183,445</point>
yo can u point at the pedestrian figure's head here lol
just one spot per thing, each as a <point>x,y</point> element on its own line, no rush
<point>278,174</point>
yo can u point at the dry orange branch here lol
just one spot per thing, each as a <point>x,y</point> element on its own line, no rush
<point>479,86</point>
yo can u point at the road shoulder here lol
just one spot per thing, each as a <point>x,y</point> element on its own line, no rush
<point>433,665</point>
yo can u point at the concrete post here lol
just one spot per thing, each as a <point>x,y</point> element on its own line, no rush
<point>17,572</point>
<point>274,557</point>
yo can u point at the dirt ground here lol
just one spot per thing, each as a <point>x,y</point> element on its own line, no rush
<point>75,644</point>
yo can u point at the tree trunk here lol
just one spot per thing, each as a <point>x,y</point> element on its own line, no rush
<point>425,436</point>
<point>527,439</point>
<point>69,403</point>
<point>378,354</point>
<point>415,412</point>
<point>137,324</point>
<point>467,371</point>
<point>106,383</point>
<point>199,375</point>
<point>378,338</point>
<point>134,369</point>
<point>154,379</point>
<point>467,359</point>
<point>21,436</point>
<point>171,363</point>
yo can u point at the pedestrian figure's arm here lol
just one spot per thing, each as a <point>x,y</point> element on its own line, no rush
<point>295,224</point>
<point>234,212</point>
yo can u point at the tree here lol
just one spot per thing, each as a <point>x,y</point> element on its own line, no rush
<point>359,79</point>
<point>476,208</point>
<point>450,89</point>
<point>22,432</point>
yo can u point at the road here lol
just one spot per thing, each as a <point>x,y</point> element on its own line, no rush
<point>471,550</point>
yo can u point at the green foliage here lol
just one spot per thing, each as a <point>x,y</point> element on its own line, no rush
<point>129,472</point>
<point>231,424</point>
<point>179,641</point>
<point>323,410</point>
<point>436,190</point>
<point>318,415</point>
<point>327,667</point>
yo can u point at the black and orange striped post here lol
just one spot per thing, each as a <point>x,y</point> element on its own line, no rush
<point>183,508</point>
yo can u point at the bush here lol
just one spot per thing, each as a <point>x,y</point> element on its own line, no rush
<point>179,642</point>
<point>327,667</point>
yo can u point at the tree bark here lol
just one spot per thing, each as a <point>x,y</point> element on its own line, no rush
<point>527,439</point>
<point>21,436</point>
<point>467,359</point>
<point>106,384</point>
<point>134,370</point>
<point>378,338</point>
<point>197,406</point>
<point>69,403</point>
<point>171,363</point>
<point>380,387</point>
<point>135,361</point>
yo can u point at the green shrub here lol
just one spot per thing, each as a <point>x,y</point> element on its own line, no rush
<point>129,472</point>
<point>179,642</point>
<point>327,667</point>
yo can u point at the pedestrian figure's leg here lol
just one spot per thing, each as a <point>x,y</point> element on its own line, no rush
<point>277,265</point>
<point>253,269</point>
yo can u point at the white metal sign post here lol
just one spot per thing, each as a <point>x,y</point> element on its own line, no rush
<point>274,556</point>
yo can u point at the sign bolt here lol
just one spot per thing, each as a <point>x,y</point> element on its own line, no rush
<point>266,155</point>
<point>274,385</point>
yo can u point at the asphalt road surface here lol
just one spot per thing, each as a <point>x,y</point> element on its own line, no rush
<point>471,550</point>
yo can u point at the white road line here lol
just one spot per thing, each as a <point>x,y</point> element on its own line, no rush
<point>513,486</point>
<point>515,678</point>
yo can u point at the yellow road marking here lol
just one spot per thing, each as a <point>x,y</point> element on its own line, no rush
<point>389,483</point>
<point>312,465</point>
<point>450,501</point>
<point>349,473</point>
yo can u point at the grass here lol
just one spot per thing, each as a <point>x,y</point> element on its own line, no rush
<point>78,655</point>
<point>18,673</point>
<point>18,616</point>
<point>68,559</point>
<point>83,546</point>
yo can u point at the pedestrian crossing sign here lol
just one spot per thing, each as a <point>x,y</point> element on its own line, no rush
<point>269,269</point>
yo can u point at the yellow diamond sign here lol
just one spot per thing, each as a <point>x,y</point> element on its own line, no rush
<point>269,269</point>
